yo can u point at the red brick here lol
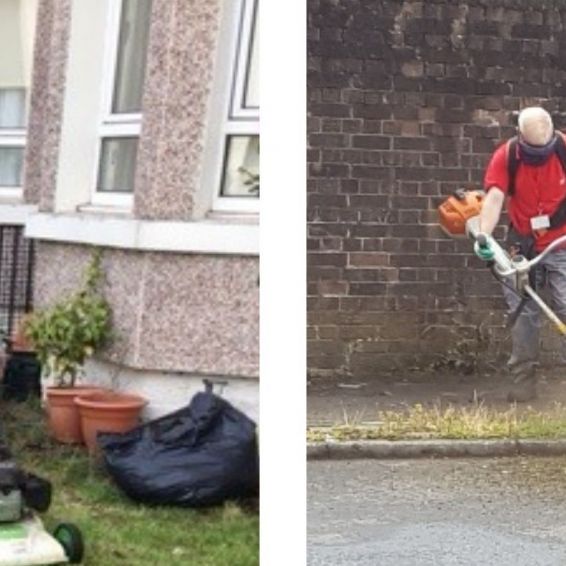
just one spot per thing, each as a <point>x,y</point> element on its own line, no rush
<point>357,332</point>
<point>368,259</point>
<point>327,332</point>
<point>333,288</point>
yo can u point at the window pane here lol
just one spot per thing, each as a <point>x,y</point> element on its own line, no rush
<point>252,80</point>
<point>11,52</point>
<point>11,160</point>
<point>132,51</point>
<point>117,165</point>
<point>241,172</point>
<point>17,26</point>
<point>12,108</point>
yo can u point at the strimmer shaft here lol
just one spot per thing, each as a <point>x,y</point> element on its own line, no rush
<point>505,264</point>
<point>560,326</point>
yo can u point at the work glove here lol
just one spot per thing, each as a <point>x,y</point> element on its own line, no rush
<point>485,250</point>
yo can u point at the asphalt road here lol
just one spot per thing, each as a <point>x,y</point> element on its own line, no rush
<point>504,512</point>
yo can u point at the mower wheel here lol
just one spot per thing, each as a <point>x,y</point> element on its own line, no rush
<point>37,493</point>
<point>70,538</point>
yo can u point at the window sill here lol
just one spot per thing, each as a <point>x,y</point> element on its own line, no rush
<point>14,211</point>
<point>211,236</point>
<point>233,217</point>
<point>106,210</point>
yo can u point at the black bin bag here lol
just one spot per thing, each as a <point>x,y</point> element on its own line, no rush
<point>202,454</point>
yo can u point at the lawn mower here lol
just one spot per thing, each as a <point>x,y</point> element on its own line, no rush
<point>459,217</point>
<point>23,538</point>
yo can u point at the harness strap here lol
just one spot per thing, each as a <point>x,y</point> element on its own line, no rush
<point>512,164</point>
<point>558,219</point>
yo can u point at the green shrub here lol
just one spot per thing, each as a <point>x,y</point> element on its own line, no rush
<point>67,333</point>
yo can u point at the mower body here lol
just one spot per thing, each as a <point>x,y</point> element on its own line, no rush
<point>23,538</point>
<point>26,543</point>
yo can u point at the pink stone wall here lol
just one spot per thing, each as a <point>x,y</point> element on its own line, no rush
<point>177,89</point>
<point>46,105</point>
<point>179,74</point>
<point>172,312</point>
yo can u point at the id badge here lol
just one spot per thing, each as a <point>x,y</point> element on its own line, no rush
<point>540,222</point>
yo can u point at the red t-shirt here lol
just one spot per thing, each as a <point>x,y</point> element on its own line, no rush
<point>538,191</point>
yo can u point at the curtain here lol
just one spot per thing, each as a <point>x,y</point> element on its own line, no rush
<point>11,159</point>
<point>132,52</point>
<point>17,26</point>
<point>12,108</point>
<point>251,99</point>
<point>118,164</point>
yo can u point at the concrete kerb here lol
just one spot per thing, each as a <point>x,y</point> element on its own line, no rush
<point>389,449</point>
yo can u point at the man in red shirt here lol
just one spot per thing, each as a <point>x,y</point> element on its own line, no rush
<point>538,189</point>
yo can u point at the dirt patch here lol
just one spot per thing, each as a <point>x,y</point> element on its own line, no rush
<point>335,401</point>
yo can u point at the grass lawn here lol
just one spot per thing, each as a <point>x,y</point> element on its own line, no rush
<point>116,530</point>
<point>474,422</point>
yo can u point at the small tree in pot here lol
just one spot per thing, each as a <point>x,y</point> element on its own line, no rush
<point>64,336</point>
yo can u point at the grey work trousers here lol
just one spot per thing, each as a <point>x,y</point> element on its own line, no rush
<point>551,273</point>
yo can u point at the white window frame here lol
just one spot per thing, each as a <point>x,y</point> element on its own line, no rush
<point>17,137</point>
<point>238,120</point>
<point>112,125</point>
<point>250,11</point>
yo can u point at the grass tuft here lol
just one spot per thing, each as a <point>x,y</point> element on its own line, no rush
<point>474,422</point>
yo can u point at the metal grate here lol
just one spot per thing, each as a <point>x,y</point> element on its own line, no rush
<point>16,276</point>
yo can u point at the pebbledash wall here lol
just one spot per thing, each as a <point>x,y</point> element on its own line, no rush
<point>406,100</point>
<point>183,284</point>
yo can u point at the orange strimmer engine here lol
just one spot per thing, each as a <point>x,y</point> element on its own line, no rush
<point>457,209</point>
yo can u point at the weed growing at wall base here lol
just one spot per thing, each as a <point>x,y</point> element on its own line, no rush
<point>475,422</point>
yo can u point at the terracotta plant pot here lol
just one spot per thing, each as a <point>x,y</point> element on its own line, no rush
<point>63,415</point>
<point>108,411</point>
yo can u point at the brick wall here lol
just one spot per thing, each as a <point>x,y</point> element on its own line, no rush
<point>406,101</point>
